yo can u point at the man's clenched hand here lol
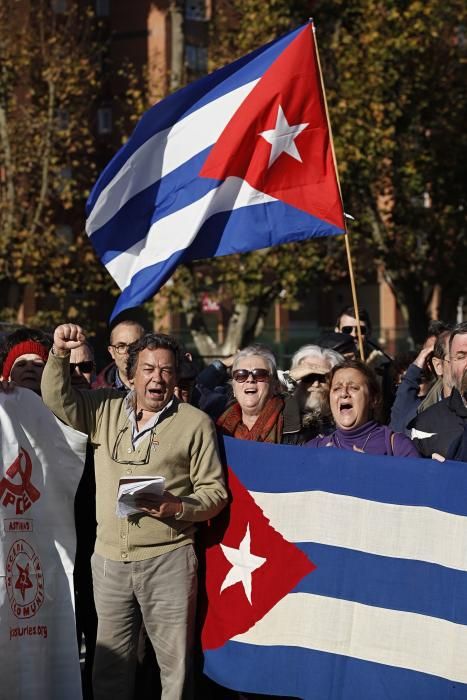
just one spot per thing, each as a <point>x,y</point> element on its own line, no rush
<point>67,337</point>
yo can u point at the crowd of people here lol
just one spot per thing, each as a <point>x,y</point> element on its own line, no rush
<point>151,412</point>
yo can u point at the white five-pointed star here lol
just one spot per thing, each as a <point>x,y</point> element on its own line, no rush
<point>243,564</point>
<point>282,137</point>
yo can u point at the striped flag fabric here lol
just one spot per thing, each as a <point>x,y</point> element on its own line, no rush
<point>239,160</point>
<point>338,576</point>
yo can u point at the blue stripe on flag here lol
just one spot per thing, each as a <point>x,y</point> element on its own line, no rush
<point>272,222</point>
<point>404,481</point>
<point>315,675</point>
<point>386,582</point>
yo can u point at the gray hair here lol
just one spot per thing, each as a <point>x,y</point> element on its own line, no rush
<point>315,351</point>
<point>459,329</point>
<point>260,351</point>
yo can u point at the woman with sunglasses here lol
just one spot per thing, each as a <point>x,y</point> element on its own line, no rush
<point>354,399</point>
<point>258,410</point>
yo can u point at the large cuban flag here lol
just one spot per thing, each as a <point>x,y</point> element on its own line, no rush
<point>239,160</point>
<point>338,576</point>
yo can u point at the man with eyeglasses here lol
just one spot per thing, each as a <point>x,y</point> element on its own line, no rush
<point>144,566</point>
<point>114,375</point>
<point>441,425</point>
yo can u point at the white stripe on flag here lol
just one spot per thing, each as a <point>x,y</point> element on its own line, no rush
<point>164,152</point>
<point>407,532</point>
<point>392,637</point>
<point>176,231</point>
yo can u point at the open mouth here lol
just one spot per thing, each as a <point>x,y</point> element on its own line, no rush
<point>156,393</point>
<point>345,408</point>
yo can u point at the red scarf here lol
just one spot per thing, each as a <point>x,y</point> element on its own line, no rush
<point>268,425</point>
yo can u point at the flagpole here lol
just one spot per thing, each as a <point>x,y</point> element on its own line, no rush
<point>346,234</point>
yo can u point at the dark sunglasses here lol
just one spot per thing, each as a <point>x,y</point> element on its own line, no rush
<point>85,367</point>
<point>259,375</point>
<point>348,329</point>
<point>311,378</point>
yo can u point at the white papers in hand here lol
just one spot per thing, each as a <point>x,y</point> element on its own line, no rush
<point>132,487</point>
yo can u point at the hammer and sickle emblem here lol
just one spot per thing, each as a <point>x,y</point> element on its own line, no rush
<point>22,466</point>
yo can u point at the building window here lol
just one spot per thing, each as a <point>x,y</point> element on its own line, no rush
<point>104,120</point>
<point>102,8</point>
<point>196,10</point>
<point>196,58</point>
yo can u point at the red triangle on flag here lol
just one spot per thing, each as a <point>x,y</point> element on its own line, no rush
<point>229,612</point>
<point>290,89</point>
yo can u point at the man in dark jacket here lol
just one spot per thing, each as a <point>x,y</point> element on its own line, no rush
<point>431,359</point>
<point>441,425</point>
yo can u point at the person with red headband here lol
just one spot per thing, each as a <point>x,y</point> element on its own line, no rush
<point>24,358</point>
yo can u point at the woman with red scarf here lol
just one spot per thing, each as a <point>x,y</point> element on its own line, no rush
<point>258,411</point>
<point>257,414</point>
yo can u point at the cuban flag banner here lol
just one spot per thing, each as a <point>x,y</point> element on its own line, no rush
<point>239,160</point>
<point>338,576</point>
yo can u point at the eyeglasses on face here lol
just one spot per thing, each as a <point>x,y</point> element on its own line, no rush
<point>120,348</point>
<point>85,367</point>
<point>258,374</point>
<point>311,378</point>
<point>348,329</point>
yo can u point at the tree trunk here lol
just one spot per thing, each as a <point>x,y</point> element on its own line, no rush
<point>450,295</point>
<point>177,45</point>
<point>413,297</point>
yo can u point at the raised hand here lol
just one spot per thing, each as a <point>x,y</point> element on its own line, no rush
<point>67,337</point>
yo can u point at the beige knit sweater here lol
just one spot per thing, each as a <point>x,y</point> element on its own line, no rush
<point>185,452</point>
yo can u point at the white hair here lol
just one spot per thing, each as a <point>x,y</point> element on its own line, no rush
<point>315,351</point>
<point>260,351</point>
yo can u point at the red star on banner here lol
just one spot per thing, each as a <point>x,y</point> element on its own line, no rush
<point>248,571</point>
<point>23,582</point>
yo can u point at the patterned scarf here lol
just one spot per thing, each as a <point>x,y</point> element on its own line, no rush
<point>267,428</point>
